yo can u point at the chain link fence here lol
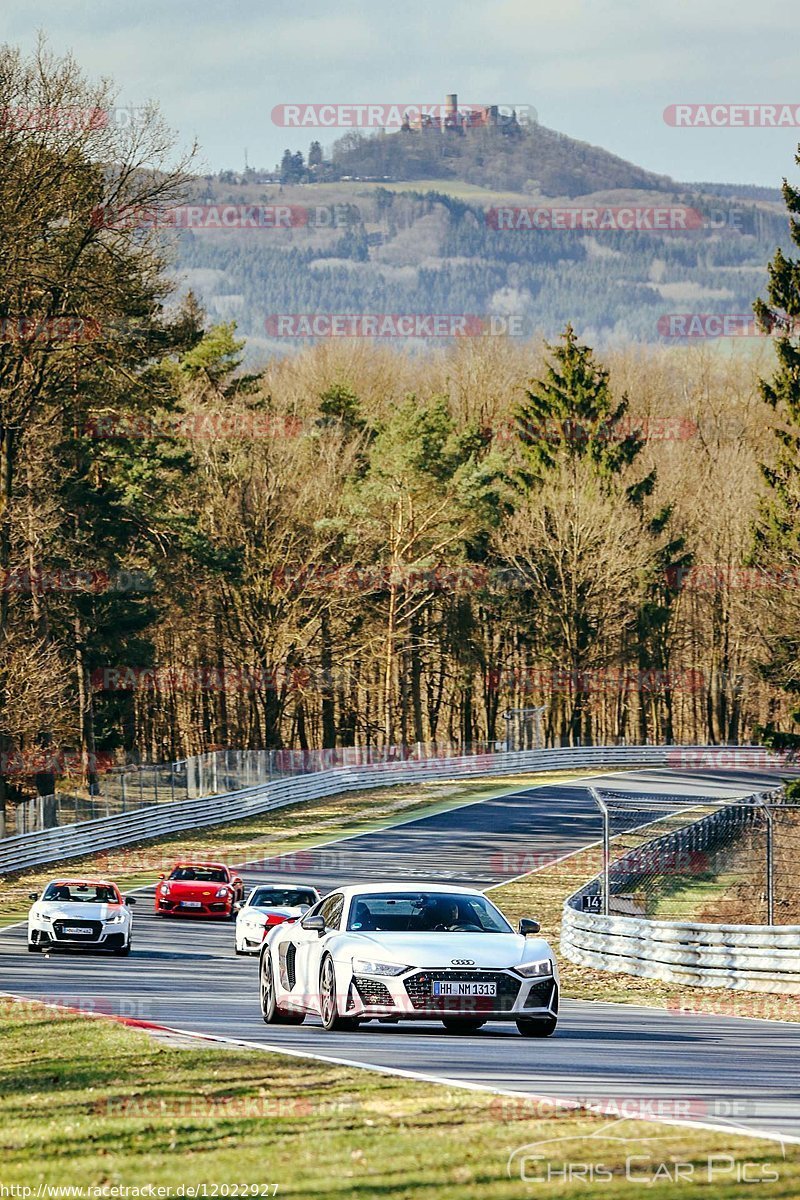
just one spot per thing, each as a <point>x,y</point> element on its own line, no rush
<point>672,858</point>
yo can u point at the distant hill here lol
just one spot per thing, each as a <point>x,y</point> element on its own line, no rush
<point>530,159</point>
<point>403,223</point>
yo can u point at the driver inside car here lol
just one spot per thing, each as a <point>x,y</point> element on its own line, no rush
<point>444,916</point>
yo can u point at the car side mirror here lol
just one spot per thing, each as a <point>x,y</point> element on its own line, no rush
<point>527,926</point>
<point>129,900</point>
<point>33,895</point>
<point>163,875</point>
<point>314,922</point>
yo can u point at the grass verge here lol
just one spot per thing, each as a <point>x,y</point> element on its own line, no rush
<point>91,1103</point>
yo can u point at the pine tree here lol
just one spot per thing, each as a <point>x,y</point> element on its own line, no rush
<point>571,414</point>
<point>572,425</point>
<point>777,534</point>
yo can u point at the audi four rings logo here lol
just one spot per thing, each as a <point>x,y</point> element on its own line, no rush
<point>462,962</point>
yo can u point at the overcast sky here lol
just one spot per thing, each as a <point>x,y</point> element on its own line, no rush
<point>602,72</point>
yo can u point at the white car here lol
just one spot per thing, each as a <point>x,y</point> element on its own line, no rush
<point>266,906</point>
<point>409,952</point>
<point>80,912</point>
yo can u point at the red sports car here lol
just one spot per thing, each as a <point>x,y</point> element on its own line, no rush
<point>199,889</point>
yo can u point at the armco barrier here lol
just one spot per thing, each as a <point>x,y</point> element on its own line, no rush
<point>122,829</point>
<point>759,958</point>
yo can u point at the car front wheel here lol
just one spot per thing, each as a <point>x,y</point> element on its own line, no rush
<point>538,1029</point>
<point>272,1013</point>
<point>328,1003</point>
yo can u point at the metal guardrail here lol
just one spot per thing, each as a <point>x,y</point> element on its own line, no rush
<point>761,958</point>
<point>72,841</point>
<point>757,958</point>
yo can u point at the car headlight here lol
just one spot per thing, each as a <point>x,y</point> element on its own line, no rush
<point>223,891</point>
<point>533,969</point>
<point>368,966</point>
<point>164,889</point>
<point>43,917</point>
<point>116,919</point>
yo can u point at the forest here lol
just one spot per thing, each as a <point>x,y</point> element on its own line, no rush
<point>354,545</point>
<point>364,248</point>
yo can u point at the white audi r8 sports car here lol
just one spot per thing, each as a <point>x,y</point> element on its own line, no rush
<point>266,906</point>
<point>409,952</point>
<point>80,912</point>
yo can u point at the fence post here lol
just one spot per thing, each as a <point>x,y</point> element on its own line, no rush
<point>601,804</point>
<point>770,867</point>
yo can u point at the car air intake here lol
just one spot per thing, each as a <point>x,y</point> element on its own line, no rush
<point>372,991</point>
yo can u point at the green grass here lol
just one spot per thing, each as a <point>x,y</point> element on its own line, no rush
<point>284,831</point>
<point>89,1102</point>
<point>689,899</point>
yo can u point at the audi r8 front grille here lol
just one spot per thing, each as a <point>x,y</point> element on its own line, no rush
<point>372,991</point>
<point>95,929</point>
<point>420,991</point>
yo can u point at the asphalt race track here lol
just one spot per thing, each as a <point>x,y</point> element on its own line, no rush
<point>715,1070</point>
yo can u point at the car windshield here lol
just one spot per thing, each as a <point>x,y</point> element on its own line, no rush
<point>78,893</point>
<point>425,912</point>
<point>277,897</point>
<point>200,874</point>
